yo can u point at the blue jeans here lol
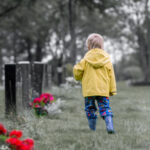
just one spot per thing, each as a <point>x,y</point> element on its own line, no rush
<point>103,105</point>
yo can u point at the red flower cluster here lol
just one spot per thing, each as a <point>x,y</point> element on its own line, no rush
<point>3,131</point>
<point>17,144</point>
<point>13,139</point>
<point>15,134</point>
<point>41,101</point>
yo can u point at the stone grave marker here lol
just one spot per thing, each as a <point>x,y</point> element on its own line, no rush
<point>23,82</point>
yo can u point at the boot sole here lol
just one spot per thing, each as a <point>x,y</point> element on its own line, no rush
<point>111,132</point>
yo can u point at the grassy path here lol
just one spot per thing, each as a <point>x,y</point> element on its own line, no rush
<point>69,130</point>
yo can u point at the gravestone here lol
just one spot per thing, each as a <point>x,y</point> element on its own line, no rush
<point>47,76</point>
<point>10,88</point>
<point>23,85</point>
<point>37,72</point>
<point>23,82</point>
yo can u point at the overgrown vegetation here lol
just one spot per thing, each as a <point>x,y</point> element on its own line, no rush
<point>69,129</point>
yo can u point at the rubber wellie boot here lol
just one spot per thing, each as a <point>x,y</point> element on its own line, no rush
<point>92,124</point>
<point>109,124</point>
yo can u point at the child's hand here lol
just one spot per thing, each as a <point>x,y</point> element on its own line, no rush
<point>112,93</point>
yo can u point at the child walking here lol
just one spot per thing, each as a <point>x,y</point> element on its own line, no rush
<point>96,73</point>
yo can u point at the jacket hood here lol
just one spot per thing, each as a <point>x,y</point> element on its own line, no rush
<point>97,57</point>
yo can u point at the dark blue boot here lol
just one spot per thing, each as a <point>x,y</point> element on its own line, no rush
<point>92,124</point>
<point>109,124</point>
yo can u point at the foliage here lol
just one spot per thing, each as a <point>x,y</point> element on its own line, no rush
<point>128,68</point>
<point>135,16</point>
<point>37,22</point>
<point>68,69</point>
<point>132,73</point>
<point>33,29</point>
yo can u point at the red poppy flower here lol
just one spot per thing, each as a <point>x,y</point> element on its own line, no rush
<point>37,100</point>
<point>26,144</point>
<point>47,98</point>
<point>45,101</point>
<point>14,142</point>
<point>25,147</point>
<point>15,134</point>
<point>46,95</point>
<point>29,142</point>
<point>2,129</point>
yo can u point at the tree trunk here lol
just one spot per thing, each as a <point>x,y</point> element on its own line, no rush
<point>144,44</point>
<point>1,66</point>
<point>144,54</point>
<point>73,47</point>
<point>10,9</point>
<point>14,47</point>
<point>38,55</point>
<point>147,24</point>
<point>60,69</point>
<point>28,42</point>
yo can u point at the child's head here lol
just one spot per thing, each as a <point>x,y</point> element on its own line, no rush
<point>94,40</point>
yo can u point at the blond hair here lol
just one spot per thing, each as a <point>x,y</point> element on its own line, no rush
<point>94,40</point>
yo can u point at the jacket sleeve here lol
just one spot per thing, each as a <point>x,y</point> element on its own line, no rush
<point>78,70</point>
<point>113,89</point>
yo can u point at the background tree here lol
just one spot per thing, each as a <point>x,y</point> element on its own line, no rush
<point>135,16</point>
<point>34,30</point>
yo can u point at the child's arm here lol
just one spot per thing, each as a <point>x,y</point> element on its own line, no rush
<point>78,70</point>
<point>113,90</point>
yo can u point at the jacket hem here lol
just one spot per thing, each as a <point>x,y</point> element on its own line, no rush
<point>87,95</point>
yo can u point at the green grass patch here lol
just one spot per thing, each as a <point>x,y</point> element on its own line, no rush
<point>69,130</point>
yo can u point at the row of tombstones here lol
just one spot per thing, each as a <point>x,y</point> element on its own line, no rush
<point>24,81</point>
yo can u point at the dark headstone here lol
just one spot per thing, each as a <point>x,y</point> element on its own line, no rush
<point>10,88</point>
<point>23,79</point>
<point>23,83</point>
<point>37,79</point>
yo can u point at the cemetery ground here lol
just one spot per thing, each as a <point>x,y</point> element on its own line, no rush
<point>69,130</point>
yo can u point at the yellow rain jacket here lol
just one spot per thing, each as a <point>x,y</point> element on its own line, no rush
<point>96,73</point>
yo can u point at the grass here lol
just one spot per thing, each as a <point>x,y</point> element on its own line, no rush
<point>69,130</point>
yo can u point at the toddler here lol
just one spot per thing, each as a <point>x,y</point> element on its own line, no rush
<point>96,73</point>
